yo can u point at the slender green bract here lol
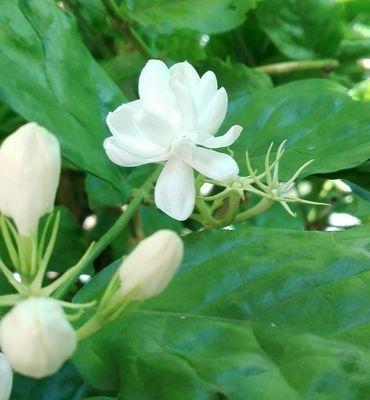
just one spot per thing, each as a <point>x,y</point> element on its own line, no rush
<point>109,236</point>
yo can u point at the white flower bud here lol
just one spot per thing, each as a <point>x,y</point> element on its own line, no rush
<point>149,268</point>
<point>6,378</point>
<point>30,166</point>
<point>36,337</point>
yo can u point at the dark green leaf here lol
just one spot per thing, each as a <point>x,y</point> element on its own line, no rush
<point>239,80</point>
<point>64,385</point>
<point>248,307</point>
<point>48,76</point>
<point>317,119</point>
<point>102,194</point>
<point>166,16</point>
<point>303,29</point>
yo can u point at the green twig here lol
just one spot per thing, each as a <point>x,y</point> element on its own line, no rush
<point>109,236</point>
<point>124,26</point>
<point>292,66</point>
<point>258,209</point>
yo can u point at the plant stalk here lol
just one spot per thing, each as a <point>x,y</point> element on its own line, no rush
<point>292,66</point>
<point>111,234</point>
<point>258,209</point>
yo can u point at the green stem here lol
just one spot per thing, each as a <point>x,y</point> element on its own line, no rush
<point>207,219</point>
<point>9,276</point>
<point>112,9</point>
<point>44,258</point>
<point>26,254</point>
<point>123,24</point>
<point>110,235</point>
<point>234,202</point>
<point>9,300</point>
<point>291,66</point>
<point>259,208</point>
<point>6,232</point>
<point>92,326</point>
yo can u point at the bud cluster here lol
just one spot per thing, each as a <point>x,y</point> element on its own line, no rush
<point>266,185</point>
<point>36,337</point>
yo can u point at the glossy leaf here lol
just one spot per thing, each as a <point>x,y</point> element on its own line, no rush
<point>165,16</point>
<point>303,29</point>
<point>238,80</point>
<point>55,81</point>
<point>253,313</point>
<point>317,119</point>
<point>64,385</point>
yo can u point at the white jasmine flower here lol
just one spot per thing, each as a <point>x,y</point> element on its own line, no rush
<point>36,337</point>
<point>6,378</point>
<point>30,166</point>
<point>147,271</point>
<point>174,121</point>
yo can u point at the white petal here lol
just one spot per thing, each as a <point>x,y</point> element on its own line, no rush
<point>206,89</point>
<point>155,129</point>
<point>120,156</point>
<point>140,131</point>
<point>186,74</point>
<point>215,142</point>
<point>214,114</point>
<point>120,121</point>
<point>214,165</point>
<point>185,105</point>
<point>174,192</point>
<point>154,87</point>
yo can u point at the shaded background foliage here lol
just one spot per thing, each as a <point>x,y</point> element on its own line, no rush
<point>269,310</point>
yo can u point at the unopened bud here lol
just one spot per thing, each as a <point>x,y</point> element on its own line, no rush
<point>36,337</point>
<point>30,166</point>
<point>6,378</point>
<point>147,271</point>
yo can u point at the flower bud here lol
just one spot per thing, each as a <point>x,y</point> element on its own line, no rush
<point>36,337</point>
<point>149,268</point>
<point>6,378</point>
<point>30,166</point>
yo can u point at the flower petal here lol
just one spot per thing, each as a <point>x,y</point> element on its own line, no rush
<point>154,128</point>
<point>120,156</point>
<point>185,105</point>
<point>214,114</point>
<point>215,142</point>
<point>154,87</point>
<point>121,121</point>
<point>206,89</point>
<point>214,165</point>
<point>174,192</point>
<point>186,74</point>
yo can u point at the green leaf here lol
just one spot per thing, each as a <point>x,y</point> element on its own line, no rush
<point>358,178</point>
<point>184,44</point>
<point>9,121</point>
<point>101,193</point>
<point>248,307</point>
<point>361,91</point>
<point>317,119</point>
<point>101,398</point>
<point>166,16</point>
<point>48,76</point>
<point>303,29</point>
<point>238,80</point>
<point>64,385</point>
